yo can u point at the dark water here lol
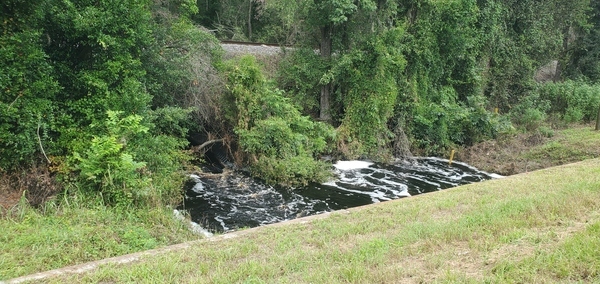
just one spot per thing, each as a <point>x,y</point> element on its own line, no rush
<point>232,201</point>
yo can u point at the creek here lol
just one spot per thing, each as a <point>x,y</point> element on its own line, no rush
<point>233,200</point>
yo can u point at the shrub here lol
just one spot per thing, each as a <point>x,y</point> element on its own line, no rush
<point>299,74</point>
<point>435,127</point>
<point>574,101</point>
<point>530,113</point>
<point>109,167</point>
<point>369,73</point>
<point>280,144</point>
<point>27,90</point>
<point>127,164</point>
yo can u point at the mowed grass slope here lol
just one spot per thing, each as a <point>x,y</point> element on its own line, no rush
<point>35,240</point>
<point>538,227</point>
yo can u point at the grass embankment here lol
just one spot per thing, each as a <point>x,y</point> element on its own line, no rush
<point>525,152</point>
<point>538,227</point>
<point>34,240</point>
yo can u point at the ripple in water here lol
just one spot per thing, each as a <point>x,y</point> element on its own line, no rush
<point>233,201</point>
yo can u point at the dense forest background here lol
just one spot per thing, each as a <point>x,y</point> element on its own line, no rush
<point>101,96</point>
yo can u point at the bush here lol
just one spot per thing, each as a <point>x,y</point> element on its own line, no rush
<point>109,167</point>
<point>128,165</point>
<point>279,144</point>
<point>369,73</point>
<point>182,71</point>
<point>435,127</point>
<point>27,90</point>
<point>574,101</point>
<point>299,74</point>
<point>530,113</point>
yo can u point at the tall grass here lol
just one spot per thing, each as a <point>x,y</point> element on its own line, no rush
<point>79,228</point>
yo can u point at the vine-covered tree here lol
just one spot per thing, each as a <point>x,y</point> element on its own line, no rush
<point>28,87</point>
<point>584,54</point>
<point>83,93</point>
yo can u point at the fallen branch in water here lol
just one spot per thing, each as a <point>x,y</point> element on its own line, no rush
<point>199,148</point>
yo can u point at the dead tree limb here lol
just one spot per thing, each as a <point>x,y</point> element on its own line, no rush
<point>199,148</point>
<point>40,142</point>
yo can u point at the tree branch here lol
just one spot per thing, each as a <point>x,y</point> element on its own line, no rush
<point>40,141</point>
<point>203,145</point>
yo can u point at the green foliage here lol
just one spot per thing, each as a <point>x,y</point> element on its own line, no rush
<point>369,74</point>
<point>95,49</point>
<point>441,47</point>
<point>442,101</point>
<point>280,21</point>
<point>127,164</point>
<point>568,102</point>
<point>281,144</point>
<point>518,37</point>
<point>574,101</point>
<point>583,61</point>
<point>65,64</point>
<point>299,74</point>
<point>530,113</point>
<point>182,68</point>
<point>108,166</point>
<point>457,52</point>
<point>171,121</point>
<point>437,127</point>
<point>27,90</point>
<point>326,12</point>
<point>432,67</point>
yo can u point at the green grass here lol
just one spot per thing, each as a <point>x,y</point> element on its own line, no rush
<point>35,240</point>
<point>573,144</point>
<point>576,259</point>
<point>538,227</point>
<point>527,152</point>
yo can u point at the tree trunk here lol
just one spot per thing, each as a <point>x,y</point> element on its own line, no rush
<point>250,20</point>
<point>560,64</point>
<point>598,120</point>
<point>325,113</point>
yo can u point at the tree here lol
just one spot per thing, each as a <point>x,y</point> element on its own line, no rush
<point>181,66</point>
<point>584,56</point>
<point>518,37</point>
<point>279,143</point>
<point>65,65</point>
<point>325,16</point>
<point>27,86</point>
<point>231,19</point>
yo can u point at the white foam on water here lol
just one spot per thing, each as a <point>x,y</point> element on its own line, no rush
<point>220,220</point>
<point>242,201</point>
<point>495,175</point>
<point>196,228</point>
<point>193,226</point>
<point>351,165</point>
<point>196,178</point>
<point>198,187</point>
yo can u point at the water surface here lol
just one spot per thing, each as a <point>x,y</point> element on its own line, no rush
<point>233,200</point>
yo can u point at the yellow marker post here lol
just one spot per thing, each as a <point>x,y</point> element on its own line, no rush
<point>451,157</point>
<point>496,110</point>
